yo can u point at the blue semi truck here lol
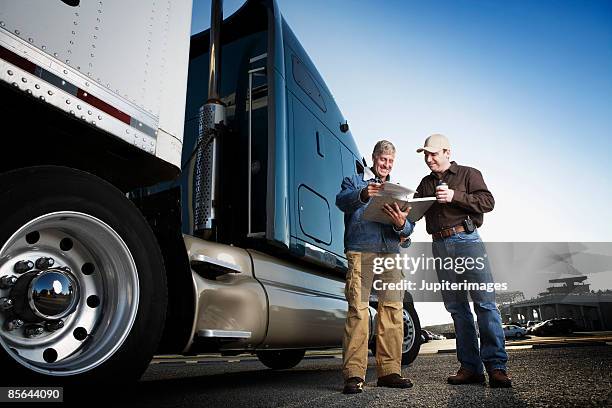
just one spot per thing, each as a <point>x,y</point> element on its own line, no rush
<point>167,194</point>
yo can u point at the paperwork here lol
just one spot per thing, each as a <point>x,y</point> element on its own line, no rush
<point>394,193</point>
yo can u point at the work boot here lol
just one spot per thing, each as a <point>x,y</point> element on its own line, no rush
<point>465,376</point>
<point>499,379</point>
<point>353,385</point>
<point>394,381</point>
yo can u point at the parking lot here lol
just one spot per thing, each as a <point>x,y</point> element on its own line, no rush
<point>575,374</point>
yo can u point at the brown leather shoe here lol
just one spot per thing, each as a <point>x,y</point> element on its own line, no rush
<point>499,379</point>
<point>353,385</point>
<point>465,376</point>
<point>394,381</point>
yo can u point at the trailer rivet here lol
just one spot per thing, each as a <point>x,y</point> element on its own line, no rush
<point>50,92</point>
<point>9,72</point>
<point>17,32</point>
<point>67,101</point>
<point>24,80</point>
<point>93,122</point>
<point>37,86</point>
<point>42,98</point>
<point>85,94</point>
<point>29,91</point>
<point>31,40</point>
<point>99,117</point>
<point>83,117</point>
<point>79,107</point>
<point>44,47</point>
<point>72,112</point>
<point>89,112</point>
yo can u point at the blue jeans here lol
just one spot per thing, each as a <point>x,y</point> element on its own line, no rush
<point>492,351</point>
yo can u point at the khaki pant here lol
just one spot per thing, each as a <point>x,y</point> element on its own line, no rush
<point>390,327</point>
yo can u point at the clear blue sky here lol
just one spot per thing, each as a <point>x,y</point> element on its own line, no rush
<point>522,89</point>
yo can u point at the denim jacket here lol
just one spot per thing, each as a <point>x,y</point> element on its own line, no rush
<point>362,235</point>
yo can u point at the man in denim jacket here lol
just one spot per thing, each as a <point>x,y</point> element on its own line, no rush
<point>364,241</point>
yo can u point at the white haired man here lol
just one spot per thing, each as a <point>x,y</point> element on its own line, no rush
<point>364,241</point>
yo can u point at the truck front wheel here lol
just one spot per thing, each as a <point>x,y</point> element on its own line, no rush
<point>82,282</point>
<point>411,344</point>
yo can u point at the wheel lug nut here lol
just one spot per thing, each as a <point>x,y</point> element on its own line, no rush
<point>54,325</point>
<point>34,330</point>
<point>11,325</point>
<point>23,266</point>
<point>6,304</point>
<point>7,281</point>
<point>44,263</point>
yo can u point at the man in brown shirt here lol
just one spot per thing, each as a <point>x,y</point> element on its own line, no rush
<point>462,198</point>
<point>467,193</point>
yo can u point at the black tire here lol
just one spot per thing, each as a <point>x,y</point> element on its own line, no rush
<point>408,354</point>
<point>280,359</point>
<point>40,191</point>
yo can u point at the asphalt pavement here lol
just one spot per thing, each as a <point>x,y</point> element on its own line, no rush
<point>557,376</point>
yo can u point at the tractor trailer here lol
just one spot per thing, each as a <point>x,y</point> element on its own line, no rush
<point>166,193</point>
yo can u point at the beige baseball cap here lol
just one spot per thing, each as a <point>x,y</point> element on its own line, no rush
<point>435,143</point>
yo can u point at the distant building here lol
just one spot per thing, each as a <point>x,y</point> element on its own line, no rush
<point>568,297</point>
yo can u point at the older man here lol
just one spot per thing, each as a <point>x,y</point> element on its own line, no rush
<point>462,198</point>
<point>365,240</point>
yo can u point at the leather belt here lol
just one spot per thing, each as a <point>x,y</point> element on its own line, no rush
<point>449,232</point>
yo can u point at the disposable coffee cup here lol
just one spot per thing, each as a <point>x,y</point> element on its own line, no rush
<point>442,186</point>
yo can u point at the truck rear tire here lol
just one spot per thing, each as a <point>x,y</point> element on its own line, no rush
<point>280,359</point>
<point>85,276</point>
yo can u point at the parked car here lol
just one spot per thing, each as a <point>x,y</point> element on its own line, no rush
<point>554,327</point>
<point>427,335</point>
<point>512,330</point>
<point>531,323</point>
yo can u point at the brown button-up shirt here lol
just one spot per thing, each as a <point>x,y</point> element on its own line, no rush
<point>471,198</point>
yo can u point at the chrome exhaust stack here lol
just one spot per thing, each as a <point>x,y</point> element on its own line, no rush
<point>212,117</point>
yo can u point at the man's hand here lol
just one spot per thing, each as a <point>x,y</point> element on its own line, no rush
<point>398,217</point>
<point>445,195</point>
<point>371,190</point>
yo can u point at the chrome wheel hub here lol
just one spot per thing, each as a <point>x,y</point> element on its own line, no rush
<point>69,293</point>
<point>53,294</point>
